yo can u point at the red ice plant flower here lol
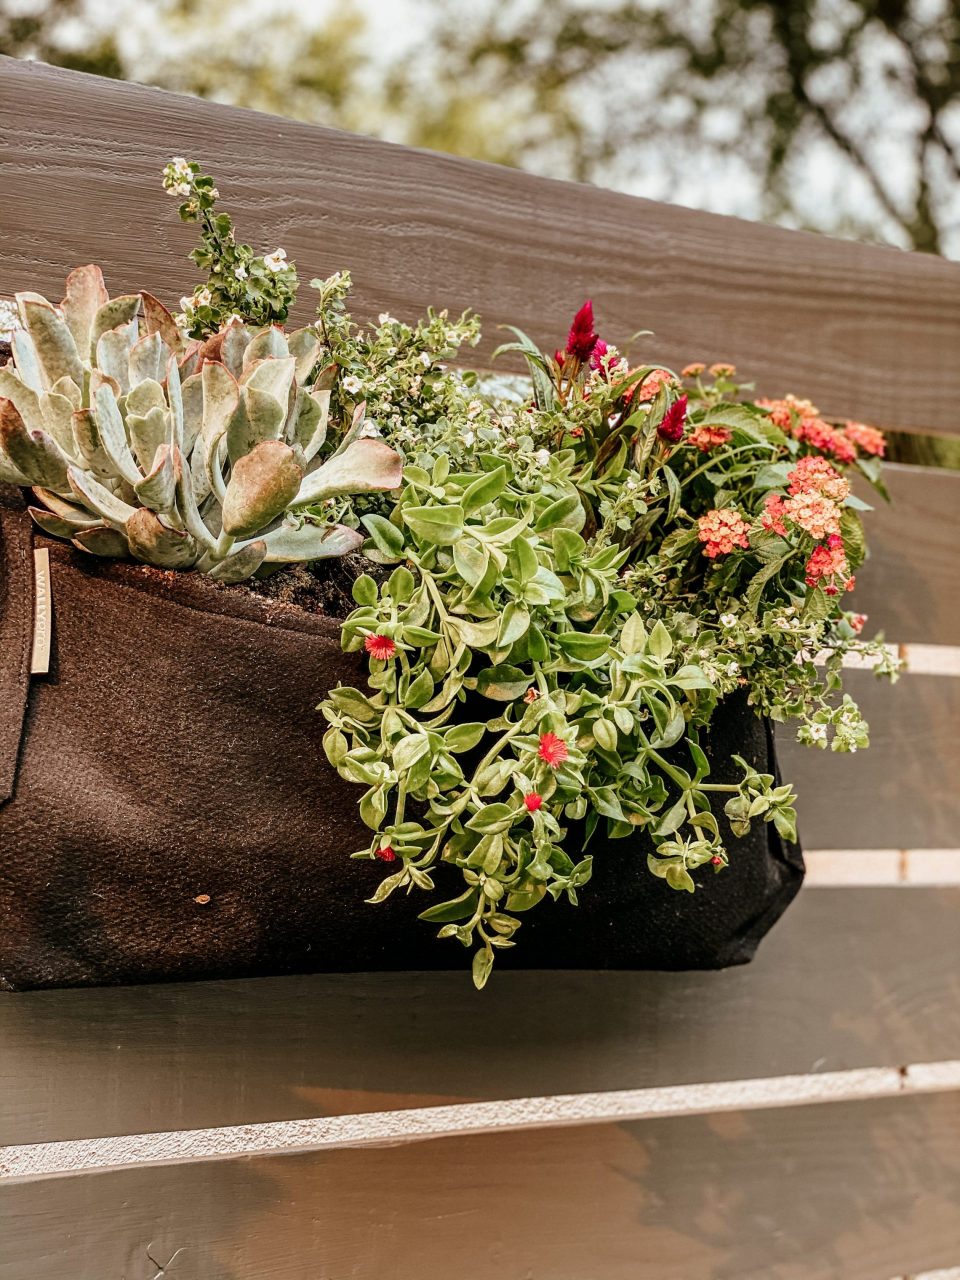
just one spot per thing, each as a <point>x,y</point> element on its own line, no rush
<point>674,420</point>
<point>386,854</point>
<point>581,340</point>
<point>552,750</point>
<point>533,801</point>
<point>380,647</point>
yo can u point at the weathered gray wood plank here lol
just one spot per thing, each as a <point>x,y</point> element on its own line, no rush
<point>866,332</point>
<point>849,978</point>
<point>910,586</point>
<point>904,792</point>
<point>846,1191</point>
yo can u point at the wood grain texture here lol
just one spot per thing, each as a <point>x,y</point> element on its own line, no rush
<point>910,586</point>
<point>866,332</point>
<point>848,1191</point>
<point>904,792</point>
<point>850,978</point>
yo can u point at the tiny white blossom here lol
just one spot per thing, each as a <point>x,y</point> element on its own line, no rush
<point>385,318</point>
<point>352,384</point>
<point>542,456</point>
<point>425,359</point>
<point>728,619</point>
<point>818,732</point>
<point>469,437</point>
<point>507,421</point>
<point>204,298</point>
<point>370,429</point>
<point>474,408</point>
<point>276,261</point>
<point>241,272</point>
<point>186,304</point>
<point>181,188</point>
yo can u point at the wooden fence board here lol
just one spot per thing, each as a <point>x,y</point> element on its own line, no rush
<point>904,792</point>
<point>845,1191</point>
<point>867,332</point>
<point>910,586</point>
<point>850,978</point>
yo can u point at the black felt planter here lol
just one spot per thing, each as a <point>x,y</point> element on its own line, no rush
<point>167,812</point>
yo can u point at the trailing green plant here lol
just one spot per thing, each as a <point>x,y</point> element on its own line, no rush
<point>581,572</point>
<point>210,456</point>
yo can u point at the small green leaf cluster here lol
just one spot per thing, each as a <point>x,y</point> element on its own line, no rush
<point>241,284</point>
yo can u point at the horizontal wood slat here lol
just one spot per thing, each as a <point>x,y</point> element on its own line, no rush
<point>849,978</point>
<point>866,332</point>
<point>855,1190</point>
<point>902,793</point>
<point>910,586</point>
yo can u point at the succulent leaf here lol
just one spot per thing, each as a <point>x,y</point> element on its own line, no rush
<point>155,543</point>
<point>116,312</point>
<point>53,342</point>
<point>85,294</point>
<point>57,527</point>
<point>99,499</point>
<point>308,428</point>
<point>67,511</point>
<point>258,417</point>
<point>35,454</point>
<point>310,542</point>
<point>157,319</point>
<point>148,359</point>
<point>25,359</point>
<point>24,398</point>
<point>158,487</point>
<point>187,503</point>
<point>101,540</point>
<point>304,345</point>
<point>240,564</point>
<point>113,437</point>
<point>365,466</point>
<point>262,484</point>
<point>56,414</point>
<point>269,343</point>
<point>89,450</point>
<point>236,339</point>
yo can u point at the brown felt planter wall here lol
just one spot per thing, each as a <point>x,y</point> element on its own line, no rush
<point>173,753</point>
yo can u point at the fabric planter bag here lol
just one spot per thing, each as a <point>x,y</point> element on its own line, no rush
<point>167,811</point>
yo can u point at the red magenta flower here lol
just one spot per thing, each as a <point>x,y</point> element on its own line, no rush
<point>581,339</point>
<point>600,349</point>
<point>386,854</point>
<point>533,801</point>
<point>552,750</point>
<point>671,428</point>
<point>380,647</point>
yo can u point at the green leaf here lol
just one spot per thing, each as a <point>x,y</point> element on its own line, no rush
<point>560,513</point>
<point>439,525</point>
<point>386,536</point>
<point>484,489</point>
<point>455,909</point>
<point>464,737</point>
<point>568,546</point>
<point>513,624</point>
<point>401,585</point>
<point>673,819</point>
<point>690,677</point>
<point>420,692</point>
<point>409,750</point>
<point>364,590</point>
<point>471,561</point>
<point>660,643</point>
<point>633,637</point>
<point>760,579</point>
<point>492,818</point>
<point>583,645</point>
<point>482,965</point>
<point>502,683</point>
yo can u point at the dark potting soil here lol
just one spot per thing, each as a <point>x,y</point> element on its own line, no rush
<point>324,586</point>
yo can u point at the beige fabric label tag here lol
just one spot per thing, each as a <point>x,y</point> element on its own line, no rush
<point>42,612</point>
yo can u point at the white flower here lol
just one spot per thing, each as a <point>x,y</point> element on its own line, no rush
<point>728,619</point>
<point>369,429</point>
<point>241,272</point>
<point>507,421</point>
<point>469,437</point>
<point>425,359</point>
<point>352,384</point>
<point>204,298</point>
<point>474,408</point>
<point>385,318</point>
<point>178,162</point>
<point>542,456</point>
<point>818,732</point>
<point>276,261</point>
<point>181,188</point>
<point>186,304</point>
